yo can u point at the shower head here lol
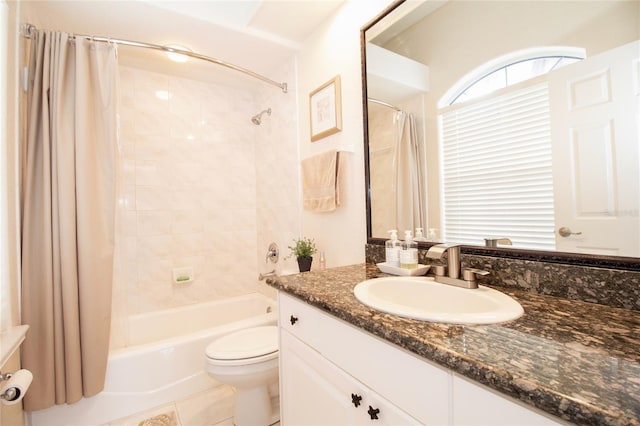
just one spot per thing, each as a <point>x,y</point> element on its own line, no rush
<point>257,119</point>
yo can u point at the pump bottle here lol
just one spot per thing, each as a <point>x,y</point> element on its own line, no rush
<point>323,261</point>
<point>392,249</point>
<point>409,252</point>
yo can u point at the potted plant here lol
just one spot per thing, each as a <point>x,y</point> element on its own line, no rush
<point>303,249</point>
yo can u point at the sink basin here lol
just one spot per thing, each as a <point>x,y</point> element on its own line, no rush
<point>424,299</point>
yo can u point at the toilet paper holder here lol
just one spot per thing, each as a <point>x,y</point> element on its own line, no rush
<point>13,393</point>
<point>9,394</point>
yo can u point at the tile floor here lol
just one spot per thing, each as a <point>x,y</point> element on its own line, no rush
<point>210,408</point>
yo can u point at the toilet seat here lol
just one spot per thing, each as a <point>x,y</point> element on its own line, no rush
<point>248,346</point>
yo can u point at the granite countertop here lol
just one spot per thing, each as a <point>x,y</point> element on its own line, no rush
<point>575,360</point>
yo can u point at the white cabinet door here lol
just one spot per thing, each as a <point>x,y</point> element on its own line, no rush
<point>316,392</point>
<point>412,384</point>
<point>478,406</point>
<point>312,393</point>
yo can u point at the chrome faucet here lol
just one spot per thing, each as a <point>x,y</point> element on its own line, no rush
<point>493,242</point>
<point>453,268</point>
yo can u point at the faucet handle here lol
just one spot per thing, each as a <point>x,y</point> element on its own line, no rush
<point>493,242</point>
<point>470,274</point>
<point>439,270</point>
<point>272,253</point>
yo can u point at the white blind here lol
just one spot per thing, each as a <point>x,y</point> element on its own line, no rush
<point>496,170</point>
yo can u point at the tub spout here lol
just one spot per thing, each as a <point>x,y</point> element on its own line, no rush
<point>262,276</point>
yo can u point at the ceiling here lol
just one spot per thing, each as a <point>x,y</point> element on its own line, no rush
<point>259,35</point>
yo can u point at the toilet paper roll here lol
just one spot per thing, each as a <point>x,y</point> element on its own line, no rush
<point>12,391</point>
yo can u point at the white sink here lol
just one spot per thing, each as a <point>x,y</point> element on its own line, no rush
<point>424,299</point>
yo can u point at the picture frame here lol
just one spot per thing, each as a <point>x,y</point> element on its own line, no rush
<point>325,109</point>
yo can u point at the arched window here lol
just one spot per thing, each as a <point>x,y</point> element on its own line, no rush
<point>496,151</point>
<point>508,70</point>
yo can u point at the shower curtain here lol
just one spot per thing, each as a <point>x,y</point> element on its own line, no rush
<point>68,216</point>
<point>408,175</point>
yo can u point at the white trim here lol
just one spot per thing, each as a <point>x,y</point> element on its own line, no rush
<point>5,288</point>
<point>504,60</point>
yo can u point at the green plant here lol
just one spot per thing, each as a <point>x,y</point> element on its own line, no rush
<point>303,247</point>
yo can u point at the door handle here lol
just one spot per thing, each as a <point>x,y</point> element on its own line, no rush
<point>566,232</point>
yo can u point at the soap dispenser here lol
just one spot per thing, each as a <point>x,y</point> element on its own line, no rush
<point>409,252</point>
<point>419,236</point>
<point>433,235</point>
<point>392,249</point>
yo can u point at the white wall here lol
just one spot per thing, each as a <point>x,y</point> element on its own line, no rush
<point>9,181</point>
<point>5,307</point>
<point>9,219</point>
<point>334,49</point>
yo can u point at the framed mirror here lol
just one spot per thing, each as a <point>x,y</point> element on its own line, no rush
<point>491,123</point>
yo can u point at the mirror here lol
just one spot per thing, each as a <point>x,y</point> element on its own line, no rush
<point>419,56</point>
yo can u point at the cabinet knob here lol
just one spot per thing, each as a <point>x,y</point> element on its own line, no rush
<point>355,400</point>
<point>293,320</point>
<point>373,413</point>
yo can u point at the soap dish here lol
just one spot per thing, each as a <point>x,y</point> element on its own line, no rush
<point>183,275</point>
<point>396,270</point>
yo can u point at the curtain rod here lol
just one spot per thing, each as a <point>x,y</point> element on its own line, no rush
<point>383,103</point>
<point>28,30</point>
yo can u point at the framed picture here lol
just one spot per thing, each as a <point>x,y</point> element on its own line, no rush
<point>325,110</point>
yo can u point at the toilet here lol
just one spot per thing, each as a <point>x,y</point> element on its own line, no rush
<point>247,360</point>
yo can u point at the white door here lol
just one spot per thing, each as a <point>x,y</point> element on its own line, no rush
<point>594,125</point>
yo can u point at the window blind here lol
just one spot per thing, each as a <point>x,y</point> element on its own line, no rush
<point>496,169</point>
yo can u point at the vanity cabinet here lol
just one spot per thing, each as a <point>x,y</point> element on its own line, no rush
<point>328,366</point>
<point>331,373</point>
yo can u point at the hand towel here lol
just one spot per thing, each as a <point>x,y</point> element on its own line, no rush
<point>321,181</point>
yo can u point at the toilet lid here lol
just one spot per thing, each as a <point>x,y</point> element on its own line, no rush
<point>248,343</point>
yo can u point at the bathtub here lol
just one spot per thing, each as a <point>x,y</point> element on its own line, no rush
<point>164,362</point>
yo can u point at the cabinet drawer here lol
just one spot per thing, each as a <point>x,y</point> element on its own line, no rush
<point>300,319</point>
<point>415,385</point>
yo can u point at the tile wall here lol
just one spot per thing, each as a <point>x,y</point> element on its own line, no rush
<point>278,195</point>
<point>196,180</point>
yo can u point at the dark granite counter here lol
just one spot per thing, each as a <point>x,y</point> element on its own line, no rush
<point>575,360</point>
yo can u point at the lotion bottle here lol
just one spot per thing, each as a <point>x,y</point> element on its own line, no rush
<point>409,252</point>
<point>392,249</point>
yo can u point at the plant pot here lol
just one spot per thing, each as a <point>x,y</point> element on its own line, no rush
<point>304,263</point>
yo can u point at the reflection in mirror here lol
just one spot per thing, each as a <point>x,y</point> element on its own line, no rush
<point>507,120</point>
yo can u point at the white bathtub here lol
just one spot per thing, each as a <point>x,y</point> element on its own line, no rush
<point>165,361</point>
